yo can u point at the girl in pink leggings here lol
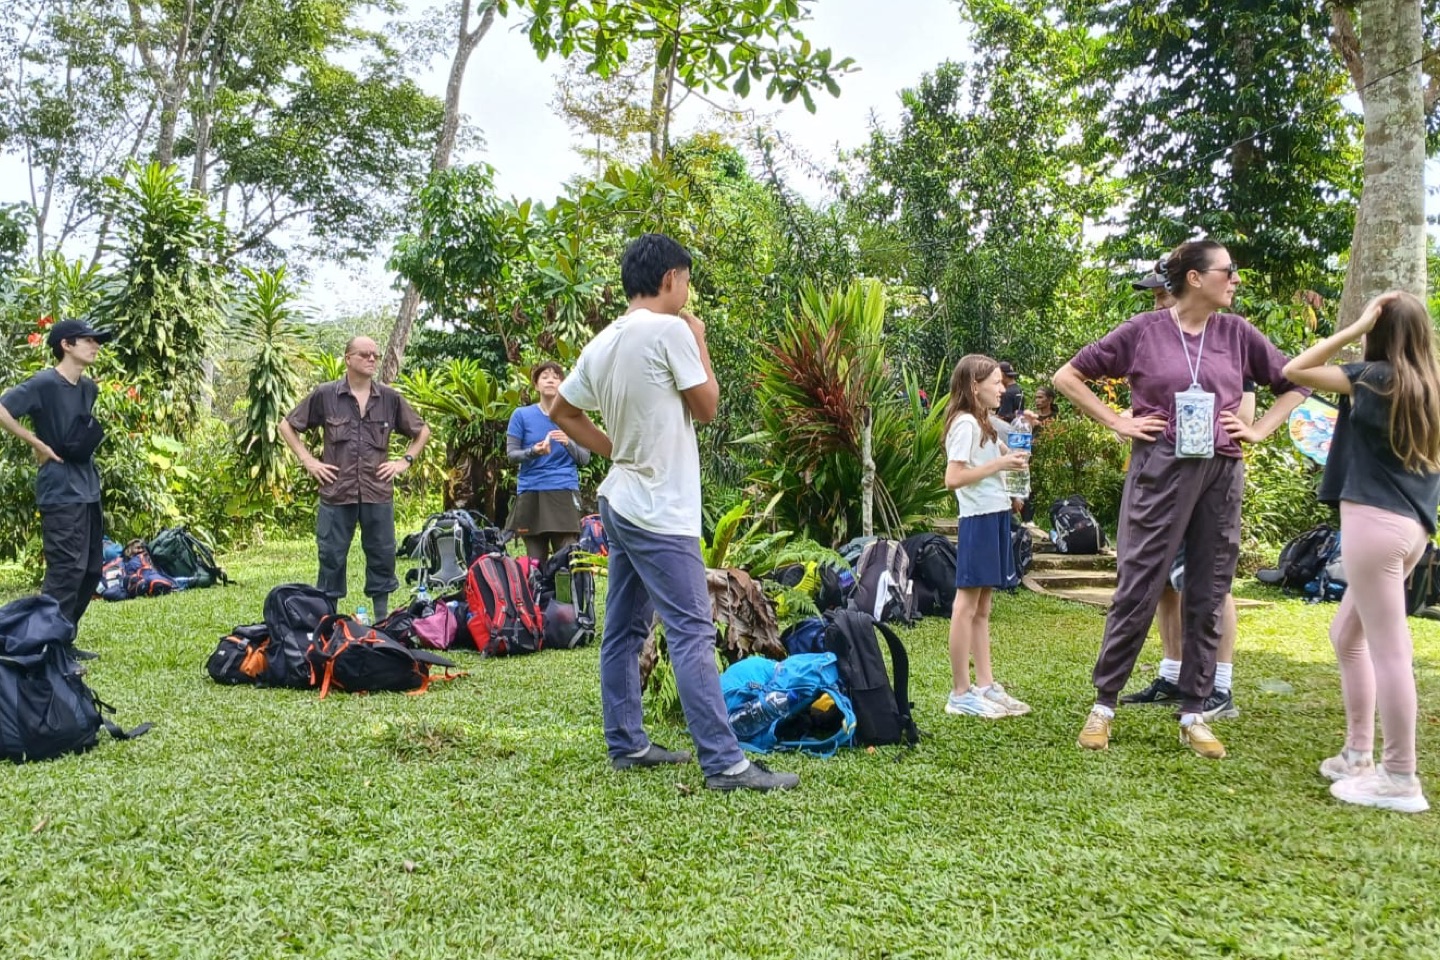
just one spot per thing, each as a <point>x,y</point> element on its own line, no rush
<point>1384,473</point>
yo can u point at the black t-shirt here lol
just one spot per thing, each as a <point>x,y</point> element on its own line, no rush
<point>1012,401</point>
<point>55,407</point>
<point>1362,467</point>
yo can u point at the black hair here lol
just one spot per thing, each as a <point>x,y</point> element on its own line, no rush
<point>59,348</point>
<point>1193,255</point>
<point>646,261</point>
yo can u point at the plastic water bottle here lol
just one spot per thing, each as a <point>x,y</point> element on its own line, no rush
<point>422,594</point>
<point>1017,482</point>
<point>757,715</point>
<point>362,615</point>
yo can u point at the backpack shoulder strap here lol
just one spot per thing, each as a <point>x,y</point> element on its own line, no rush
<point>900,660</point>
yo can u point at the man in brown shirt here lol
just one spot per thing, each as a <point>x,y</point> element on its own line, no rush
<point>354,470</point>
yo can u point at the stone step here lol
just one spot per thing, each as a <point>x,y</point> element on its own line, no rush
<point>1065,561</point>
<point>1055,578</point>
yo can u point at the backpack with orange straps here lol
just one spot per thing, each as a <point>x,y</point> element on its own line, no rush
<point>351,656</point>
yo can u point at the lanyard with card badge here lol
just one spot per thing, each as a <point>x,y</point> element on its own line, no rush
<point>1194,407</point>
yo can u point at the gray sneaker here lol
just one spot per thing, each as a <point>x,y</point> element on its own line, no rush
<point>757,776</point>
<point>655,756</point>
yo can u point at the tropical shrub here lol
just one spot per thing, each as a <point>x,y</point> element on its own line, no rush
<point>468,410</point>
<point>267,320</point>
<point>168,292</point>
<point>825,377</point>
<point>1074,455</point>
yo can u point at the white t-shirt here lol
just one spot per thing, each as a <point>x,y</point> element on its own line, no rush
<point>962,444</point>
<point>633,373</point>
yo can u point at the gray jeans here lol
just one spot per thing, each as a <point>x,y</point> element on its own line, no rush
<point>649,572</point>
<point>335,528</point>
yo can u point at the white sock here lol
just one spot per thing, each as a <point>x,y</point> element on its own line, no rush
<point>983,690</point>
<point>1187,719</point>
<point>1358,756</point>
<point>1170,670</point>
<point>1104,711</point>
<point>1223,673</point>
<point>740,767</point>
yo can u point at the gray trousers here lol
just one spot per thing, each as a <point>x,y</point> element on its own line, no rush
<point>650,572</point>
<point>1169,501</point>
<point>335,528</point>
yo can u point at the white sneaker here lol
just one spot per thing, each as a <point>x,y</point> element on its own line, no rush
<point>1012,707</point>
<point>1340,766</point>
<point>1380,788</point>
<point>971,704</point>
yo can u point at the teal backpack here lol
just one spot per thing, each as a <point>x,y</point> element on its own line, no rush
<point>819,718</point>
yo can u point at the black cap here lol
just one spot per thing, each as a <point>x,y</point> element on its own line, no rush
<point>1151,281</point>
<point>1005,369</point>
<point>75,330</point>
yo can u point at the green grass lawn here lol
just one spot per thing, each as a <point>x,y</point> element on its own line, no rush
<point>482,819</point>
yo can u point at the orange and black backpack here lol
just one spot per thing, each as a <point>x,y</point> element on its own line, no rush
<point>351,656</point>
<point>504,618</point>
<point>241,656</point>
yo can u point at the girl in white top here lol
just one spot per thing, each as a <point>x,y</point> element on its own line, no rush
<point>984,558</point>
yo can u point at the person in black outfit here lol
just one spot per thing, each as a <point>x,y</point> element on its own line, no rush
<point>60,403</point>
<point>1012,401</point>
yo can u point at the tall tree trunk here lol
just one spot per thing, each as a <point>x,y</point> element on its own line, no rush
<point>1388,250</point>
<point>465,45</point>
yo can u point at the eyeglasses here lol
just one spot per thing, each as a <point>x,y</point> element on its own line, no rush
<point>1229,268</point>
<point>367,355</point>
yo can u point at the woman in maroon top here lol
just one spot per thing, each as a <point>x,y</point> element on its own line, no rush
<point>1186,366</point>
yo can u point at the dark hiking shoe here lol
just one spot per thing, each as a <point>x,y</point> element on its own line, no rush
<point>1160,691</point>
<point>757,776</point>
<point>655,756</point>
<point>1220,705</point>
<point>79,654</point>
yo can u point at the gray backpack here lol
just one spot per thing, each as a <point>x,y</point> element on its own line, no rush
<point>883,588</point>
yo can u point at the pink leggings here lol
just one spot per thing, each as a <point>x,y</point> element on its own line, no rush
<point>1370,634</point>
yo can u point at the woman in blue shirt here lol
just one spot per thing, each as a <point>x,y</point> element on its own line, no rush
<point>547,508</point>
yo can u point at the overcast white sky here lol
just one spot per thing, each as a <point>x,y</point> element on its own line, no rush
<point>508,91</point>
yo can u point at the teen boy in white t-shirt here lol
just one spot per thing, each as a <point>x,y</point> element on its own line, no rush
<point>649,375</point>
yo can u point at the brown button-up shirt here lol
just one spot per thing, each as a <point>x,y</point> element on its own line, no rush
<point>356,441</point>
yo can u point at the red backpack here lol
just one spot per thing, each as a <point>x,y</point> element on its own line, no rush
<point>504,618</point>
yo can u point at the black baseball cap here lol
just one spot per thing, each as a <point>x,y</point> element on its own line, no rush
<point>75,330</point>
<point>1005,369</point>
<point>1151,281</point>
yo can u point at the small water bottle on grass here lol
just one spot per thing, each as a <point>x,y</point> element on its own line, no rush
<point>362,615</point>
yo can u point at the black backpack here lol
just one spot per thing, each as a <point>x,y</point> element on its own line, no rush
<point>932,573</point>
<point>1304,558</point>
<point>1023,550</point>
<point>566,596</point>
<point>351,656</point>
<point>882,560</point>
<point>1075,529</point>
<point>241,655</point>
<point>46,709</point>
<point>176,552</point>
<point>293,612</point>
<point>882,712</point>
